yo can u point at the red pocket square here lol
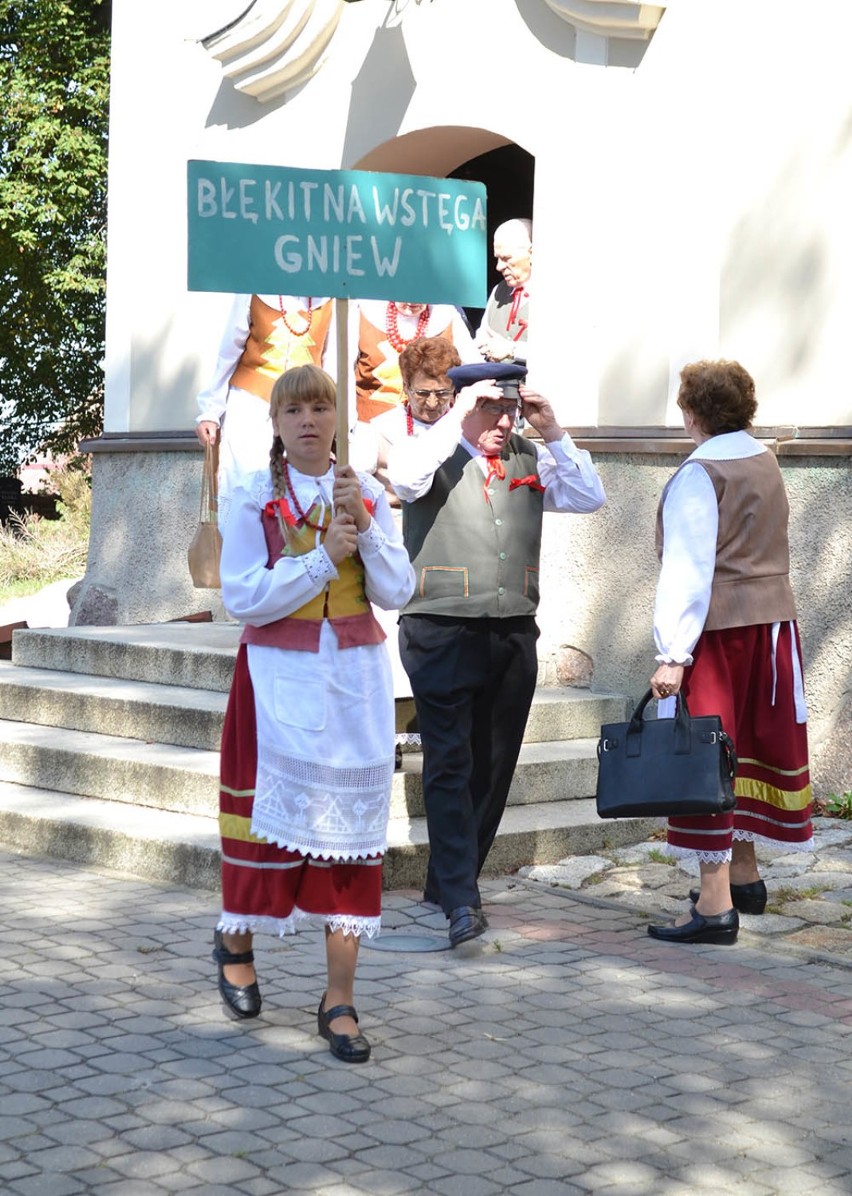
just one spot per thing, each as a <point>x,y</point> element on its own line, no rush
<point>530,480</point>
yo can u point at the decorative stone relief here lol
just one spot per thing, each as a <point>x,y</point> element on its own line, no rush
<point>275,46</point>
<point>610,18</point>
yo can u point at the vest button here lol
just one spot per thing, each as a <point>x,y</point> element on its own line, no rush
<point>498,522</point>
<point>501,590</point>
<point>502,556</point>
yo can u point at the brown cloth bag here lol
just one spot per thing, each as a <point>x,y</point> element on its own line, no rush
<point>206,547</point>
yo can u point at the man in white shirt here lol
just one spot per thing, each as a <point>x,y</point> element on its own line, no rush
<point>502,335</point>
<point>474,494</point>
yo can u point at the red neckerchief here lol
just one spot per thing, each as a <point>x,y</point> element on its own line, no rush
<point>281,505</point>
<point>496,469</point>
<point>517,295</point>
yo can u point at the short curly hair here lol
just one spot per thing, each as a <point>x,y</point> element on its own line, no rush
<point>431,355</point>
<point>719,395</point>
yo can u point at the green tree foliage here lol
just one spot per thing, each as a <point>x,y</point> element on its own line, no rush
<point>54,84</point>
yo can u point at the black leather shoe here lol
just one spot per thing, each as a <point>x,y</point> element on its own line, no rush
<point>748,899</point>
<point>351,1048</point>
<point>716,928</point>
<point>240,1002</point>
<point>466,923</point>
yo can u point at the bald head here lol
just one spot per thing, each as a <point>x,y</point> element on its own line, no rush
<point>513,251</point>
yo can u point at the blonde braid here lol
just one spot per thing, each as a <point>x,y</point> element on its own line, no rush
<point>276,468</point>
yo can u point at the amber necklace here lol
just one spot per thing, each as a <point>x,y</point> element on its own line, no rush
<point>392,328</point>
<point>317,527</point>
<point>293,331</point>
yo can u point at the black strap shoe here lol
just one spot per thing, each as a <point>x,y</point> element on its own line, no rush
<point>240,1002</point>
<point>716,928</point>
<point>351,1048</point>
<point>748,899</point>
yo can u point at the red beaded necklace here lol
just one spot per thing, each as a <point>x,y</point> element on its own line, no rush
<point>293,331</point>
<point>317,527</point>
<point>409,419</point>
<point>392,329</point>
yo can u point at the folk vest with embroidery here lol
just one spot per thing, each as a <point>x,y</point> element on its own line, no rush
<point>343,602</point>
<point>378,381</point>
<point>477,556</point>
<point>751,580</point>
<point>271,348</point>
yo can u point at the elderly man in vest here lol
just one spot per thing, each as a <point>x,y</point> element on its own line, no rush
<point>474,494</point>
<point>502,334</point>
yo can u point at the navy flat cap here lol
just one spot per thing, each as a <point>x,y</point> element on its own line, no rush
<point>504,374</point>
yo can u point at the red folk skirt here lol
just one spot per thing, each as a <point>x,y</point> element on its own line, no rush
<point>731,675</point>
<point>265,888</point>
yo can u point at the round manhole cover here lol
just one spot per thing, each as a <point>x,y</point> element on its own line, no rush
<point>406,940</point>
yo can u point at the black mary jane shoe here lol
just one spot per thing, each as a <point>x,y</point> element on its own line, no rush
<point>240,1002</point>
<point>701,928</point>
<point>350,1048</point>
<point>748,899</point>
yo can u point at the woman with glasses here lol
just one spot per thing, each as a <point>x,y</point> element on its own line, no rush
<point>383,332</point>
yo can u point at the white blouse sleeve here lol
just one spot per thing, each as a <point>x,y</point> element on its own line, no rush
<point>251,592</point>
<point>414,460</point>
<point>690,528</point>
<point>389,575</point>
<point>213,399</point>
<point>570,479</point>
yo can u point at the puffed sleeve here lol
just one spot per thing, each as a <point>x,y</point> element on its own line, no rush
<point>251,592</point>
<point>389,575</point>
<point>690,527</point>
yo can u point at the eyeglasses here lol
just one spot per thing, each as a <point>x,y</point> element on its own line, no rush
<point>500,409</point>
<point>434,394</point>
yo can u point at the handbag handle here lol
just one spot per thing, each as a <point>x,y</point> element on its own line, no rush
<point>682,727</point>
<point>209,487</point>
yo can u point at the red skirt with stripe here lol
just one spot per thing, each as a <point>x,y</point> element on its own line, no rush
<point>731,676</point>
<point>265,888</point>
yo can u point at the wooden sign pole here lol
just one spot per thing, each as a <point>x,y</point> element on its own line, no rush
<point>341,311</point>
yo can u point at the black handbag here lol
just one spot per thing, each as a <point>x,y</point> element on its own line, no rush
<point>670,766</point>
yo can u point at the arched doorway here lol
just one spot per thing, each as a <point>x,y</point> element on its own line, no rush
<point>459,152</point>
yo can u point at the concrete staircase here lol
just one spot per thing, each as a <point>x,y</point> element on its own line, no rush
<point>109,755</point>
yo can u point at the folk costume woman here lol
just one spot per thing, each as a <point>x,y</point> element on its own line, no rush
<point>382,332</point>
<point>308,741</point>
<point>264,336</point>
<point>725,628</point>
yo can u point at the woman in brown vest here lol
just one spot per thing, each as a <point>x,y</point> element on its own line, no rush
<point>726,635</point>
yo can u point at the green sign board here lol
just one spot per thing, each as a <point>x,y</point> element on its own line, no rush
<point>344,233</point>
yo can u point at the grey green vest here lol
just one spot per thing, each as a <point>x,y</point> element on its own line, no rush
<point>475,557</point>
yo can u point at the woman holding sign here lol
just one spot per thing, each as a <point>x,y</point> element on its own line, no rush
<point>308,741</point>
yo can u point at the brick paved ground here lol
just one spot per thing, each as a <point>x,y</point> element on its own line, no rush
<point>568,1054</point>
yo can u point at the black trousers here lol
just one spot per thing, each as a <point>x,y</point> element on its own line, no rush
<point>473,682</point>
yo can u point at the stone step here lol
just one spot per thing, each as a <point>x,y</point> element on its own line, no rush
<point>181,848</point>
<point>185,779</point>
<point>192,717</point>
<point>194,655</point>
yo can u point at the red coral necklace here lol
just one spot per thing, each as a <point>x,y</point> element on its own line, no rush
<point>317,527</point>
<point>294,331</point>
<point>392,328</point>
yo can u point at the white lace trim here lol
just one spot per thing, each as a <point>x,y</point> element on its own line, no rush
<point>753,837</point>
<point>408,737</point>
<point>724,857</point>
<point>704,857</point>
<point>350,924</point>
<point>321,810</point>
<point>319,566</point>
<point>372,540</point>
